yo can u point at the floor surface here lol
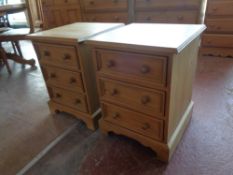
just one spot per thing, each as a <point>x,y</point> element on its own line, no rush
<point>26,126</point>
<point>206,147</point>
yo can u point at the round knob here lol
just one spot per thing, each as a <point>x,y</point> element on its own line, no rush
<point>58,95</point>
<point>77,101</point>
<point>215,9</point>
<point>53,75</point>
<point>72,80</point>
<point>66,57</point>
<point>91,2</point>
<point>145,126</point>
<point>145,69</point>
<point>117,18</point>
<point>46,53</point>
<point>114,92</point>
<point>110,63</point>
<point>219,28</point>
<point>145,100</point>
<point>180,18</point>
<point>148,18</point>
<point>116,115</point>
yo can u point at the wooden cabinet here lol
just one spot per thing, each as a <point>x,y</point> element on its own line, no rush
<point>167,11</point>
<point>68,71</point>
<point>218,39</point>
<point>145,82</point>
<point>105,10</point>
<point>60,12</point>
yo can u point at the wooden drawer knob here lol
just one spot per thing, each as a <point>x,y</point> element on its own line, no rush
<point>116,115</point>
<point>145,100</point>
<point>114,92</point>
<point>148,18</point>
<point>58,95</point>
<point>47,53</point>
<point>146,126</point>
<point>66,57</point>
<point>72,80</point>
<point>93,19</point>
<point>77,101</point>
<point>117,18</point>
<point>53,75</point>
<point>145,69</point>
<point>110,64</point>
<point>66,1</point>
<point>180,18</point>
<point>91,2</point>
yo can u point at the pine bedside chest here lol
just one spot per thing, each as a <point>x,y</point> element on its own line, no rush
<point>67,68</point>
<point>145,74</point>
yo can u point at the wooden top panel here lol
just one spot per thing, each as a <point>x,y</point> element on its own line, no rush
<point>154,37</point>
<point>76,32</point>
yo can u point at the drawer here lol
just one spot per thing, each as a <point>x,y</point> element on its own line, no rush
<point>220,8</point>
<point>220,25</point>
<point>66,2</point>
<point>62,78</point>
<point>134,121</point>
<point>57,55</point>
<point>74,100</point>
<point>106,5</point>
<point>189,16</point>
<point>163,4</point>
<point>137,68</point>
<point>143,100</point>
<point>107,17</point>
<point>217,40</point>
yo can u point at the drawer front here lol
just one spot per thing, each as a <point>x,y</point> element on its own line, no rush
<point>149,4</point>
<point>220,25</point>
<point>61,56</point>
<point>66,2</point>
<point>106,5</point>
<point>67,98</point>
<point>183,17</point>
<point>134,121</point>
<point>150,102</point>
<point>146,69</point>
<point>107,17</point>
<point>62,78</point>
<point>220,8</point>
<point>217,40</point>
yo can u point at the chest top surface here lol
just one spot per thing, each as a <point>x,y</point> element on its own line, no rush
<point>76,32</point>
<point>160,37</point>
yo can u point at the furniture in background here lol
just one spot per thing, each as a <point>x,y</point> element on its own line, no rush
<point>61,12</point>
<point>16,35</point>
<point>145,74</point>
<point>68,71</point>
<point>106,10</point>
<point>218,39</point>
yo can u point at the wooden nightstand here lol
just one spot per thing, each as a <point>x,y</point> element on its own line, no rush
<point>145,74</point>
<point>68,70</point>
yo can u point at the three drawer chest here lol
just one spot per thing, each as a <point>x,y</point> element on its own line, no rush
<point>68,70</point>
<point>145,74</point>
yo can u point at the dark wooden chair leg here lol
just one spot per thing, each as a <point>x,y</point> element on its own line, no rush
<point>4,58</point>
